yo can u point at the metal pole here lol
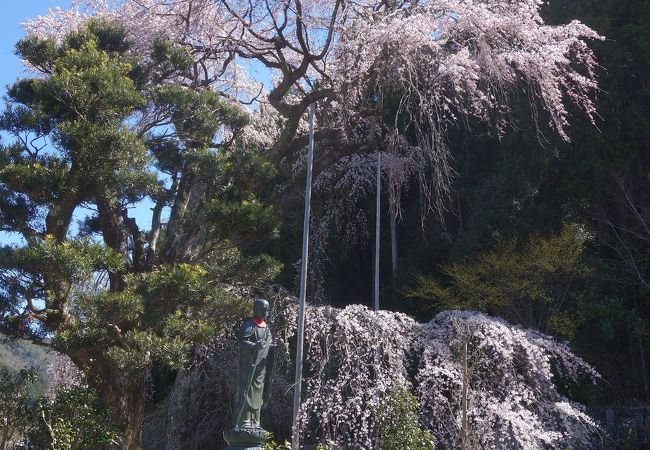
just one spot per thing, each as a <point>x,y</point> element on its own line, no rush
<point>295,437</point>
<point>377,229</point>
<point>393,243</point>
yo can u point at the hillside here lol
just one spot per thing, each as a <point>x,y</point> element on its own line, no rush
<point>16,355</point>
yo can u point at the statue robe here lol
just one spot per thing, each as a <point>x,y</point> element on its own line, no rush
<point>251,374</point>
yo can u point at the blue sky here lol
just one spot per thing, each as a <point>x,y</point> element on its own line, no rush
<point>14,12</point>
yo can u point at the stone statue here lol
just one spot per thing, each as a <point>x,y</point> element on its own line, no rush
<point>253,380</point>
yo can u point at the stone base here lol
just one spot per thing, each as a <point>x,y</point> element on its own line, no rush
<point>243,447</point>
<point>245,438</point>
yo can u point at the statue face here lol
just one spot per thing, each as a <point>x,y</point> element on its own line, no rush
<point>260,308</point>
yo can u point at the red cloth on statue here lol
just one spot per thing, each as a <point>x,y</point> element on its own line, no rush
<point>259,322</point>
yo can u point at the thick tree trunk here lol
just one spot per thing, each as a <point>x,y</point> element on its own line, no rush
<point>193,231</point>
<point>57,221</point>
<point>126,404</point>
<point>59,217</point>
<point>123,393</point>
<point>125,399</point>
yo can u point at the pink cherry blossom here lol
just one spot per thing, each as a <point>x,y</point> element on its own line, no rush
<point>354,357</point>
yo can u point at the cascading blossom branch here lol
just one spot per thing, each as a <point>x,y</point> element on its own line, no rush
<point>510,375</point>
<point>444,60</point>
<point>202,27</point>
<point>445,57</point>
<point>355,356</point>
<point>452,57</point>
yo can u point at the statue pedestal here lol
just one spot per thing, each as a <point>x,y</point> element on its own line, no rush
<point>245,438</point>
<point>244,447</point>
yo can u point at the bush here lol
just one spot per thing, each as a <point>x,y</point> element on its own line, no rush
<point>15,405</point>
<point>398,423</point>
<point>74,418</point>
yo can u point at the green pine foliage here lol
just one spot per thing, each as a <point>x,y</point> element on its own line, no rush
<point>102,130</point>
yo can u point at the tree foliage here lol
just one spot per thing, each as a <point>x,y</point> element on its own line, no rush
<point>137,100</point>
<point>73,418</point>
<point>398,421</point>
<point>458,60</point>
<point>533,283</point>
<point>14,405</point>
<point>94,130</point>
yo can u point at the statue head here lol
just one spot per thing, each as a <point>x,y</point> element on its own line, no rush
<point>260,308</point>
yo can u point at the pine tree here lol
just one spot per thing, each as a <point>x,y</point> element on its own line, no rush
<point>99,129</point>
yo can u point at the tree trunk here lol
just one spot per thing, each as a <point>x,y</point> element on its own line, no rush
<point>174,230</point>
<point>642,356</point>
<point>125,400</point>
<point>113,234</point>
<point>57,221</point>
<point>643,369</point>
<point>123,393</point>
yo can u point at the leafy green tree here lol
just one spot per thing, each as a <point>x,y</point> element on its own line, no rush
<point>533,282</point>
<point>98,129</point>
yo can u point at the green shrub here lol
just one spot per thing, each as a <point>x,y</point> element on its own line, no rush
<point>398,423</point>
<point>15,405</point>
<point>74,418</point>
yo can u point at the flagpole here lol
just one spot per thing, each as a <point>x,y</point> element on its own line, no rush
<point>295,432</point>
